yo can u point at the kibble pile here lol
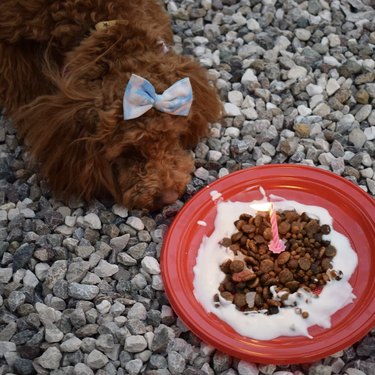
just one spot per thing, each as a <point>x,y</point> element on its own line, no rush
<point>305,263</point>
<point>80,285</point>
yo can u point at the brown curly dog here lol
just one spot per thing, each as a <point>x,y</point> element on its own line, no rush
<point>62,79</point>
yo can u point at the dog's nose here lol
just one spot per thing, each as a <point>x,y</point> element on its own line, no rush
<point>169,197</point>
<point>166,198</point>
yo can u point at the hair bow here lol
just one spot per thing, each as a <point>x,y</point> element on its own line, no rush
<point>140,96</point>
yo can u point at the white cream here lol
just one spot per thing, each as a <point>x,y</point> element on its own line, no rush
<point>208,276</point>
<point>202,223</point>
<point>215,195</point>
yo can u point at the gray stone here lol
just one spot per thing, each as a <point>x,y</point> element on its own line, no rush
<point>15,300</point>
<point>135,344</point>
<point>357,138</point>
<point>105,269</point>
<point>50,359</point>
<point>137,311</point>
<point>92,221</point>
<point>24,366</point>
<point>81,291</point>
<point>8,331</point>
<point>247,368</point>
<point>320,370</point>
<point>176,363</point>
<point>366,347</point>
<point>56,272</point>
<point>84,252</point>
<point>150,265</point>
<point>82,369</point>
<point>119,243</point>
<point>77,270</point>
<point>5,275</point>
<point>135,223</point>
<point>221,361</point>
<point>364,113</point>
<point>96,360</point>
<point>134,366</point>
<point>120,210</point>
<point>137,251</point>
<point>105,342</point>
<point>71,345</point>
<point>22,255</point>
<point>6,347</point>
<point>53,334</point>
<point>126,259</point>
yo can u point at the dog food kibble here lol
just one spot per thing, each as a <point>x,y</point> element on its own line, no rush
<point>259,280</point>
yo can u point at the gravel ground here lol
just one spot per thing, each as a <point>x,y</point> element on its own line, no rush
<point>81,290</point>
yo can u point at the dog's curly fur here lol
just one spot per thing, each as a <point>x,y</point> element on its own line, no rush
<point>62,82</point>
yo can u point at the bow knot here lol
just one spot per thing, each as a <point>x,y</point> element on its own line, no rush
<point>140,96</point>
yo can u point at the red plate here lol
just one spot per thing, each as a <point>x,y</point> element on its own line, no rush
<point>353,213</point>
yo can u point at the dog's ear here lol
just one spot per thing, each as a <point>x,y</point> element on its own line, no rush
<point>67,136</point>
<point>206,107</point>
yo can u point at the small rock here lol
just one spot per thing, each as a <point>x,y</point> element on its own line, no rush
<point>119,243</point>
<point>332,86</point>
<point>363,113</point>
<point>357,137</point>
<point>96,360</point>
<point>105,269</point>
<point>120,210</point>
<point>5,275</point>
<point>248,77</point>
<point>53,334</point>
<point>50,359</point>
<point>247,368</point>
<point>231,109</point>
<point>176,363</point>
<point>82,369</point>
<point>150,265</point>
<point>81,291</point>
<point>71,345</point>
<point>92,221</point>
<point>135,223</point>
<point>297,72</point>
<point>135,344</point>
<point>22,255</point>
<point>24,366</point>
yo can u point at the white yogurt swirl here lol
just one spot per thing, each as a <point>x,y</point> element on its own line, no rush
<point>208,276</point>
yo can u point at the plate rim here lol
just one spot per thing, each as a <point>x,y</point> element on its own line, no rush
<point>252,355</point>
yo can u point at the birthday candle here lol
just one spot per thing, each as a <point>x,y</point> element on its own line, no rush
<point>276,245</point>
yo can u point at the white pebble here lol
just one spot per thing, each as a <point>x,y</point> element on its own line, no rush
<point>253,25</point>
<point>303,110</point>
<point>334,40</point>
<point>297,72</point>
<point>332,86</point>
<point>235,97</point>
<point>150,265</point>
<point>239,19</point>
<point>104,307</point>
<point>330,60</point>
<point>303,34</point>
<point>214,155</point>
<point>248,77</point>
<point>247,368</point>
<point>231,110</point>
<point>92,221</point>
<point>135,222</point>
<point>313,89</point>
<point>232,132</point>
<point>120,210</point>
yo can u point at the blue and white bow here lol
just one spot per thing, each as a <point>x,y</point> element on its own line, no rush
<point>140,96</point>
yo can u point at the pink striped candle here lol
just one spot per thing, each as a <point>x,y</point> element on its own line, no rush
<point>276,245</point>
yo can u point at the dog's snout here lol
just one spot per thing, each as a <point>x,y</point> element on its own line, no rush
<point>166,197</point>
